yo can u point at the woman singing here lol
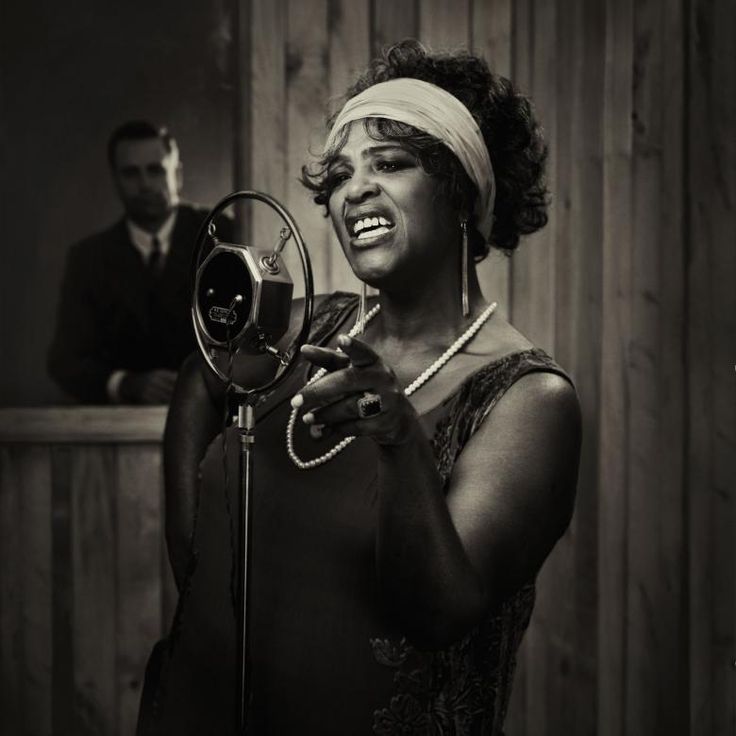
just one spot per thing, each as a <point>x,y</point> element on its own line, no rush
<point>417,468</point>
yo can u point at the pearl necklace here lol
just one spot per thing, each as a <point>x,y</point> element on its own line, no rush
<point>417,383</point>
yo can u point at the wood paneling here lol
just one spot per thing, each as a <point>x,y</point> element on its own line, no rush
<point>59,425</point>
<point>443,25</point>
<point>63,702</point>
<point>11,653</point>
<point>307,91</point>
<point>614,407</point>
<point>26,649</point>
<point>83,577</point>
<point>711,347</point>
<point>34,501</point>
<point>393,21</point>
<point>655,697</point>
<point>267,136</point>
<point>94,600</point>
<point>491,30</point>
<point>139,594</point>
<point>349,53</point>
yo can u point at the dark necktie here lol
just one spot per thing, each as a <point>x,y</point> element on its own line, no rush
<point>155,258</point>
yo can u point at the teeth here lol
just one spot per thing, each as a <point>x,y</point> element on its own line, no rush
<point>373,233</point>
<point>370,222</point>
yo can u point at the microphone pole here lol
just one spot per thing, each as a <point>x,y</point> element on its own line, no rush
<point>247,438</point>
<point>258,289</point>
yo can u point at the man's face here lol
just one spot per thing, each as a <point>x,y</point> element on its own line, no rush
<point>148,180</point>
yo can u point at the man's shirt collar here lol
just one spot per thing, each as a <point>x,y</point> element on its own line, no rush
<point>143,241</point>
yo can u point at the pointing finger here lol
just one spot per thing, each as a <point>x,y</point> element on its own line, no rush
<point>360,354</point>
<point>331,360</point>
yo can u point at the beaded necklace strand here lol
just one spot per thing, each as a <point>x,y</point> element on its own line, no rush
<point>417,383</point>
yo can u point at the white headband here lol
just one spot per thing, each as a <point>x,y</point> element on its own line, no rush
<point>431,109</point>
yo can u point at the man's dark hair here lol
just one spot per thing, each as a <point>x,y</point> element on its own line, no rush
<point>138,130</point>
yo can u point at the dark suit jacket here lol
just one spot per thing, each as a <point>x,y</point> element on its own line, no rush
<point>114,315</point>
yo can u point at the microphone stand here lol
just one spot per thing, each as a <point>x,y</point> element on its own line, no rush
<point>247,439</point>
<point>261,268</point>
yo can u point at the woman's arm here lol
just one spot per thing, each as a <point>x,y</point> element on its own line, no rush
<point>194,420</point>
<point>444,561</point>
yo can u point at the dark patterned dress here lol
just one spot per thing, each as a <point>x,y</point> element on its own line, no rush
<point>326,657</point>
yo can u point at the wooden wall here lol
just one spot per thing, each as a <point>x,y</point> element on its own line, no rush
<point>85,585</point>
<point>630,286</point>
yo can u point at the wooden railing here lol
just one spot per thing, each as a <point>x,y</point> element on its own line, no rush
<point>85,585</point>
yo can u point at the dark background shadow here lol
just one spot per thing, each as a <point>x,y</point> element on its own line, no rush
<point>71,72</point>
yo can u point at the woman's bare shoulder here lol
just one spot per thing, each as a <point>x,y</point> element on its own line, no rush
<point>545,398</point>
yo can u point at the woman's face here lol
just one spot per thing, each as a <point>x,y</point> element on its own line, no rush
<point>386,212</point>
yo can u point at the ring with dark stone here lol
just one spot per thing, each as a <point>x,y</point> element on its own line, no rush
<point>369,405</point>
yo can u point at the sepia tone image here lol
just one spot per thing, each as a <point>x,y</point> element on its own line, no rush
<point>431,429</point>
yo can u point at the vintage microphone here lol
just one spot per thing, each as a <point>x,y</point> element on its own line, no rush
<point>241,303</point>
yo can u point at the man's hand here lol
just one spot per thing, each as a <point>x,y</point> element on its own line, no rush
<point>147,387</point>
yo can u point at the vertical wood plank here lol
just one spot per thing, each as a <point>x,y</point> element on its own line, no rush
<point>572,651</point>
<point>712,367</point>
<point>94,574</point>
<point>306,107</point>
<point>491,33</point>
<point>443,25</point>
<point>671,572</point>
<point>540,250</point>
<point>34,472</point>
<point>555,628</point>
<point>242,120</point>
<point>63,698</point>
<point>533,267</point>
<point>268,132</point>
<point>139,520</point>
<point>491,38</point>
<point>656,701</point>
<point>616,320</point>
<point>11,638</point>
<point>585,244</point>
<point>350,43</point>
<point>392,22</point>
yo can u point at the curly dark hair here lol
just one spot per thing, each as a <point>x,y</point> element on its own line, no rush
<point>513,136</point>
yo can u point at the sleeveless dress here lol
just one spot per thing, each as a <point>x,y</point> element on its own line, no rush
<point>326,658</point>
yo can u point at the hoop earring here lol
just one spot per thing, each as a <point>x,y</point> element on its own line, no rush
<point>362,307</point>
<point>464,271</point>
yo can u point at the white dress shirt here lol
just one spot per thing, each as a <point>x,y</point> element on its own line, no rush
<point>143,240</point>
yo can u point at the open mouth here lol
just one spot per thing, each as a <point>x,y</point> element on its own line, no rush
<point>369,226</point>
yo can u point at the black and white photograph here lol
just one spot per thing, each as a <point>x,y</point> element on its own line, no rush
<point>368,368</point>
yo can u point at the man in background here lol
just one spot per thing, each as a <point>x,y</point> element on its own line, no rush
<point>123,323</point>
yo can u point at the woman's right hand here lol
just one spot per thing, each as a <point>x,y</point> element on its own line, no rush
<point>360,394</point>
